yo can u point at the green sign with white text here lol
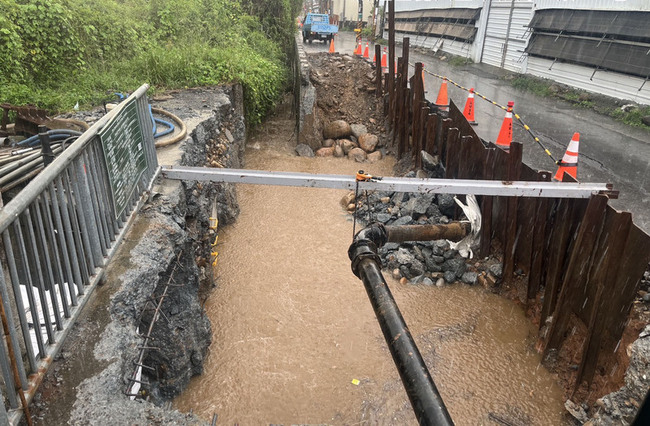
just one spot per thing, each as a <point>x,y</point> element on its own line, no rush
<point>122,143</point>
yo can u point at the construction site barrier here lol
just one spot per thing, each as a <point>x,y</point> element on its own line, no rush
<point>579,260</point>
<point>59,234</point>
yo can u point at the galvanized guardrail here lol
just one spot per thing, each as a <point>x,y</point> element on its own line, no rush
<point>58,236</point>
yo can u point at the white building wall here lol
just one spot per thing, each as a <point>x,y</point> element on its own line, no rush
<point>507,34</point>
<point>348,10</point>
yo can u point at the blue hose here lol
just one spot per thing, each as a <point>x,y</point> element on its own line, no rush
<point>170,128</point>
<point>156,121</point>
<point>153,121</point>
<point>34,140</point>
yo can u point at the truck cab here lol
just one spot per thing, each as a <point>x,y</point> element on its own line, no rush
<point>316,26</point>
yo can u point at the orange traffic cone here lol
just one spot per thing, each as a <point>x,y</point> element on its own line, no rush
<point>469,108</point>
<point>332,46</point>
<point>366,53</point>
<point>423,89</point>
<point>442,101</point>
<point>505,134</point>
<point>569,163</point>
<point>357,51</point>
<point>384,62</point>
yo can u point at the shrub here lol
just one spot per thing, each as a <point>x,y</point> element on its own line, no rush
<point>58,52</point>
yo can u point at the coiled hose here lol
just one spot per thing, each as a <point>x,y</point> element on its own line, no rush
<point>181,125</point>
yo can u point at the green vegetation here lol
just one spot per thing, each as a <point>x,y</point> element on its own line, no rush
<point>459,61</point>
<point>537,86</point>
<point>59,52</point>
<point>601,104</point>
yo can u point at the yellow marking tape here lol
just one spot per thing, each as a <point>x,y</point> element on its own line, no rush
<point>526,127</point>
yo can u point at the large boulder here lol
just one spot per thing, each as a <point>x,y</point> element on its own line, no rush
<point>347,145</point>
<point>357,154</point>
<point>304,150</point>
<point>325,152</point>
<point>368,142</point>
<point>373,157</point>
<point>337,129</point>
<point>358,130</point>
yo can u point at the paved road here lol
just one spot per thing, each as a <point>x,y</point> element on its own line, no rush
<point>609,151</point>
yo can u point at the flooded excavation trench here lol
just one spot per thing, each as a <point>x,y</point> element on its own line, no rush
<point>295,339</point>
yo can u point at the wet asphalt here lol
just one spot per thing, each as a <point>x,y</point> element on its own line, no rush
<point>610,151</point>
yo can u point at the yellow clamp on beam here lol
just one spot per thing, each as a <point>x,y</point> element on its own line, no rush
<point>216,223</point>
<point>363,176</point>
<point>216,238</point>
<point>216,256</point>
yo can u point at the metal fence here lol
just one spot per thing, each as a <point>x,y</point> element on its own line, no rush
<point>58,236</point>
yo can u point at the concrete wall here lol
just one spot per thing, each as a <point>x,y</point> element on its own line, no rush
<point>308,119</point>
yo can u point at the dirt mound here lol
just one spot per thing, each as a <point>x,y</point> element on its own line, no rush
<point>345,88</point>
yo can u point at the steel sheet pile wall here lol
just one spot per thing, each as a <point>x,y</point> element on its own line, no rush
<point>583,258</point>
<point>58,235</point>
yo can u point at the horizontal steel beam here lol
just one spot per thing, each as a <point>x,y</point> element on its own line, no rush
<point>391,184</point>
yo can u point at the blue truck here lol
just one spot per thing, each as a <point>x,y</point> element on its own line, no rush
<point>316,26</point>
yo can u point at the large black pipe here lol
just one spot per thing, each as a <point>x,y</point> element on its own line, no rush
<point>420,388</point>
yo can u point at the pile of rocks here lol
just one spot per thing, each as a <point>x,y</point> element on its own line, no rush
<point>424,262</point>
<point>341,139</point>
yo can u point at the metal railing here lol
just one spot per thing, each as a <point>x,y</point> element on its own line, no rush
<point>58,235</point>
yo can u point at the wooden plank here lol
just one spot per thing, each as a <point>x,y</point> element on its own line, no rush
<point>441,139</point>
<point>424,117</point>
<point>405,121</point>
<point>432,130</point>
<point>633,264</point>
<point>465,164</point>
<point>396,107</point>
<point>461,122</point>
<point>475,156</point>
<point>391,53</point>
<point>486,205</point>
<point>525,226</point>
<point>511,228</point>
<point>557,254</point>
<point>603,272</point>
<point>453,141</point>
<point>571,296</point>
<point>539,238</point>
<point>378,92</point>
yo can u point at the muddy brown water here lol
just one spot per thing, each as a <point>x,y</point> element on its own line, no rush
<point>293,327</point>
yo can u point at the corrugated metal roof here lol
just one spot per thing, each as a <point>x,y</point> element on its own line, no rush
<point>594,4</point>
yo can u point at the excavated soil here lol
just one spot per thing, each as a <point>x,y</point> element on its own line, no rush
<point>346,91</point>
